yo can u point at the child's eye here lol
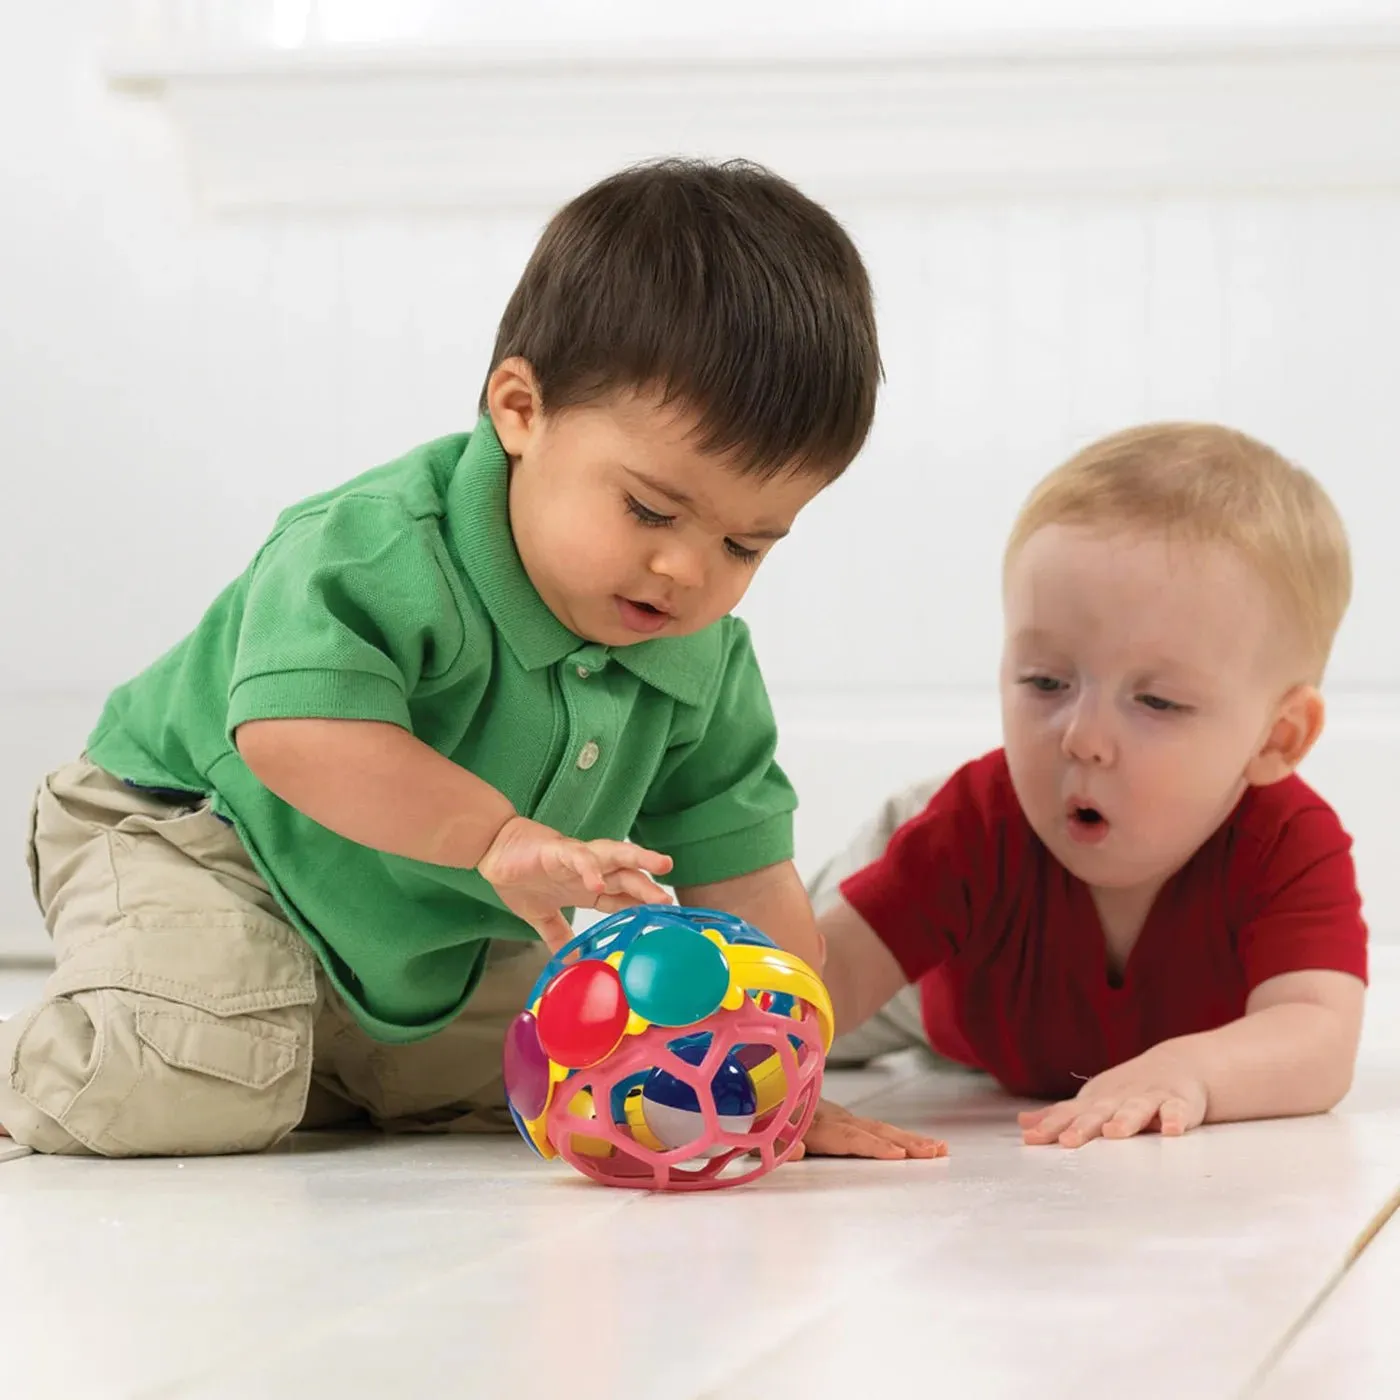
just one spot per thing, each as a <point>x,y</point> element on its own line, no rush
<point>740,552</point>
<point>646,515</point>
<point>1161,705</point>
<point>1043,685</point>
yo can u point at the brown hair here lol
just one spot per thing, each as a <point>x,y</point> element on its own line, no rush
<point>720,287</point>
<point>1212,484</point>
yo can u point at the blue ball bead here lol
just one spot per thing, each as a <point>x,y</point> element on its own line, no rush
<point>731,1086</point>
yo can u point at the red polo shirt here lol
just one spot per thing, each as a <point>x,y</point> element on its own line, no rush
<point>1009,953</point>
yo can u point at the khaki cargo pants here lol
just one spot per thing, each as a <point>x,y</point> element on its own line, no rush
<point>186,1016</point>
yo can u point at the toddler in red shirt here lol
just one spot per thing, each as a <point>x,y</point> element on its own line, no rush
<point>1135,909</point>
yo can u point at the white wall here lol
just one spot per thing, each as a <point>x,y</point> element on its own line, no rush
<point>171,376</point>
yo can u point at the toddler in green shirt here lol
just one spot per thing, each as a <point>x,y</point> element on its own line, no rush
<point>315,855</point>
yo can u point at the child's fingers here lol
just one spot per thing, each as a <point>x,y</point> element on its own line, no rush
<point>582,862</point>
<point>837,1132</point>
<point>623,855</point>
<point>1133,1116</point>
<point>913,1144</point>
<point>917,1146</point>
<point>1031,1117</point>
<point>1049,1122</point>
<point>643,888</point>
<point>1176,1117</point>
<point>636,883</point>
<point>798,1152</point>
<point>555,929</point>
<point>847,1138</point>
<point>1086,1127</point>
<point>628,894</point>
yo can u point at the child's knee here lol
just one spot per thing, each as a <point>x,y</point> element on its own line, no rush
<point>119,1073</point>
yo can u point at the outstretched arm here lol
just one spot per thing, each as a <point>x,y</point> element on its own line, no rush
<point>1292,1052</point>
<point>774,901</point>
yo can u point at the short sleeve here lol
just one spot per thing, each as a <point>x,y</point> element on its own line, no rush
<point>1303,908</point>
<point>925,895</point>
<point>720,806</point>
<point>346,611</point>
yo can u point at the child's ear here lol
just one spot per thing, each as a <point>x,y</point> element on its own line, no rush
<point>513,401</point>
<point>1297,724</point>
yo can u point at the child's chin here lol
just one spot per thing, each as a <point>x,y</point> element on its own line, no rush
<point>1090,862</point>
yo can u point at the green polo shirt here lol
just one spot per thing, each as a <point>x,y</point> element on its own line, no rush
<point>400,597</point>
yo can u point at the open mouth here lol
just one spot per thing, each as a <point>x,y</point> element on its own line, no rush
<point>1086,823</point>
<point>639,616</point>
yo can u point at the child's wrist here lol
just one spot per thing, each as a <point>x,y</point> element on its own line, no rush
<point>468,839</point>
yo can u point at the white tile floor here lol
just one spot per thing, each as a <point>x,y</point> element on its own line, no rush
<point>349,1267</point>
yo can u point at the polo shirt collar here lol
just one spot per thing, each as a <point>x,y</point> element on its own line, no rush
<point>478,522</point>
<point>684,668</point>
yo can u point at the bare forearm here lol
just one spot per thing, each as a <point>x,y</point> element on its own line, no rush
<point>1278,1062</point>
<point>861,973</point>
<point>376,784</point>
<point>773,901</point>
<point>842,984</point>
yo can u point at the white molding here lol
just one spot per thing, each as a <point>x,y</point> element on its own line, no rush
<point>405,126</point>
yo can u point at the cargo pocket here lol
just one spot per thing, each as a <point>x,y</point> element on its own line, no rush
<point>171,1037</point>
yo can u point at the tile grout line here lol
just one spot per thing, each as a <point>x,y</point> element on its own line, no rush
<point>1295,1329</point>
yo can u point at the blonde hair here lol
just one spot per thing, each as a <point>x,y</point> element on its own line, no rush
<point>1213,485</point>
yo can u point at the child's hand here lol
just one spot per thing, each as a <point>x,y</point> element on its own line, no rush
<point>1155,1090</point>
<point>537,873</point>
<point>837,1132</point>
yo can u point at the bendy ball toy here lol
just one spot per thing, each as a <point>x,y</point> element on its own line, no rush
<point>665,1045</point>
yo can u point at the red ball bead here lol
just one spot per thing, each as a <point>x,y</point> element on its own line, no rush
<point>582,1014</point>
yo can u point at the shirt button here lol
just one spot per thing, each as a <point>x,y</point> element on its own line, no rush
<point>588,755</point>
<point>583,673</point>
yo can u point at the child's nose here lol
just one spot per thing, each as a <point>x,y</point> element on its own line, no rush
<point>681,564</point>
<point>1088,737</point>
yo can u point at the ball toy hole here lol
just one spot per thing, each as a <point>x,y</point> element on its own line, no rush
<point>671,1108</point>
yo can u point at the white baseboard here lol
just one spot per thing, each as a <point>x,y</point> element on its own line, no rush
<point>844,753</point>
